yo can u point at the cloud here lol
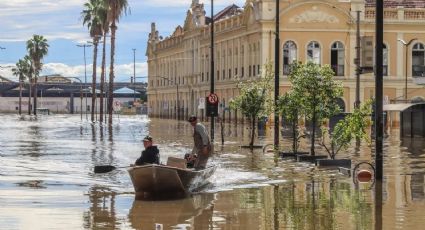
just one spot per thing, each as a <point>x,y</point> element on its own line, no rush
<point>123,72</point>
<point>187,3</point>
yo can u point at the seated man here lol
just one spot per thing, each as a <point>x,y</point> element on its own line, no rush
<point>190,160</point>
<point>151,153</point>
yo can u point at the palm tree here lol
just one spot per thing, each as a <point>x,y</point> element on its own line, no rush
<point>105,31</point>
<point>93,15</point>
<point>22,71</point>
<point>115,9</point>
<point>37,48</point>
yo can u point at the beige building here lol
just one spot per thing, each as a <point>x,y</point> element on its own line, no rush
<point>322,31</point>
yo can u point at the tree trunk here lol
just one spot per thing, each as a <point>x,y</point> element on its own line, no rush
<point>35,95</point>
<point>111,72</point>
<point>20,97</point>
<point>102,78</point>
<point>93,84</point>
<point>251,143</point>
<point>29,96</point>
<point>313,132</point>
<point>294,136</point>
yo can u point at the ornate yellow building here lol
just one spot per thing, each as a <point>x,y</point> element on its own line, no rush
<point>322,31</point>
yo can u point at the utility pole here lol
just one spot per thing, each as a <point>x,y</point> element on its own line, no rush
<point>85,74</point>
<point>357,62</point>
<point>379,125</point>
<point>134,75</point>
<point>276,79</point>
<point>212,65</point>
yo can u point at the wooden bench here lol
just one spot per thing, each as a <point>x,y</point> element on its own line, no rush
<point>176,162</point>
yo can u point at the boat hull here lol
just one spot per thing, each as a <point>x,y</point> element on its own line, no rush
<point>163,181</point>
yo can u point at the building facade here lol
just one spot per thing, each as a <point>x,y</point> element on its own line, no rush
<point>321,31</point>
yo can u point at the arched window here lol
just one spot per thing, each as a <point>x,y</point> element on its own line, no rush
<point>337,58</point>
<point>313,52</point>
<point>385,60</point>
<point>289,56</point>
<point>418,60</point>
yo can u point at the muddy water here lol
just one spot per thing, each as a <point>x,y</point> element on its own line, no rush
<point>47,181</point>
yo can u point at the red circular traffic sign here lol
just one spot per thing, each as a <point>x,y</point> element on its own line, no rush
<point>213,98</point>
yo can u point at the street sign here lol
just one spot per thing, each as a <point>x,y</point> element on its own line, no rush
<point>201,104</point>
<point>212,105</point>
<point>212,98</point>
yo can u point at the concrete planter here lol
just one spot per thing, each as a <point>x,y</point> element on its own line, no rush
<point>345,163</point>
<point>292,154</point>
<point>254,147</point>
<point>309,158</point>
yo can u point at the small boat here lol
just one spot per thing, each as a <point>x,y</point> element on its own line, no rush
<point>166,181</point>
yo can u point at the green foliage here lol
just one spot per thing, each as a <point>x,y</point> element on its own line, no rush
<point>288,105</point>
<point>352,126</point>
<point>94,15</point>
<point>315,88</point>
<point>317,91</point>
<point>23,68</point>
<point>255,99</point>
<point>37,48</point>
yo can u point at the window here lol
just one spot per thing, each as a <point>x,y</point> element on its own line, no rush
<point>337,58</point>
<point>224,74</point>
<point>249,71</point>
<point>418,60</point>
<point>242,72</point>
<point>208,76</point>
<point>289,56</point>
<point>253,70</point>
<point>230,73</point>
<point>236,71</point>
<point>313,52</point>
<point>258,69</point>
<point>218,75</point>
<point>202,77</point>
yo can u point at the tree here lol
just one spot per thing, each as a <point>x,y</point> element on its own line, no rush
<point>352,126</point>
<point>254,100</point>
<point>289,107</point>
<point>105,30</point>
<point>93,15</point>
<point>115,9</point>
<point>37,48</point>
<point>22,71</point>
<point>318,92</point>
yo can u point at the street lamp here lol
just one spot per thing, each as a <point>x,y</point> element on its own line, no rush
<point>134,75</point>
<point>85,71</point>
<point>276,78</point>
<point>406,45</point>
<point>178,102</point>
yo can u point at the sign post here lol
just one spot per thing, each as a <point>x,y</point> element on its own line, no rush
<point>212,105</point>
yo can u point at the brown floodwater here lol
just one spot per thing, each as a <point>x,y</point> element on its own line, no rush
<point>47,181</point>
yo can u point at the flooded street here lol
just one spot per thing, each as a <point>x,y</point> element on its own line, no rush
<point>47,181</point>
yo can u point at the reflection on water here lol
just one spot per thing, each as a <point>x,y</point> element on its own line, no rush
<point>47,178</point>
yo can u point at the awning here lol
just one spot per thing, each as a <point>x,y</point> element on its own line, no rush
<point>397,107</point>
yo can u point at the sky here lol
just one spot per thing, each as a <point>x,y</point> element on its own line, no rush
<point>59,21</point>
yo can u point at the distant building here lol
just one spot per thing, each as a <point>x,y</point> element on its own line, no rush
<point>320,31</point>
<point>64,96</point>
<point>4,80</point>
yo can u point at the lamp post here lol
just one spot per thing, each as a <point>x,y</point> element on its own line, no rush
<point>212,66</point>
<point>134,75</point>
<point>85,72</point>
<point>276,79</point>
<point>406,45</point>
<point>178,100</point>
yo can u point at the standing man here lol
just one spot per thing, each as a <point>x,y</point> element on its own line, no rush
<point>202,145</point>
<point>151,153</point>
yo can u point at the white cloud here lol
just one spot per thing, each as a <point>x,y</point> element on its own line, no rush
<point>123,72</point>
<point>187,3</point>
